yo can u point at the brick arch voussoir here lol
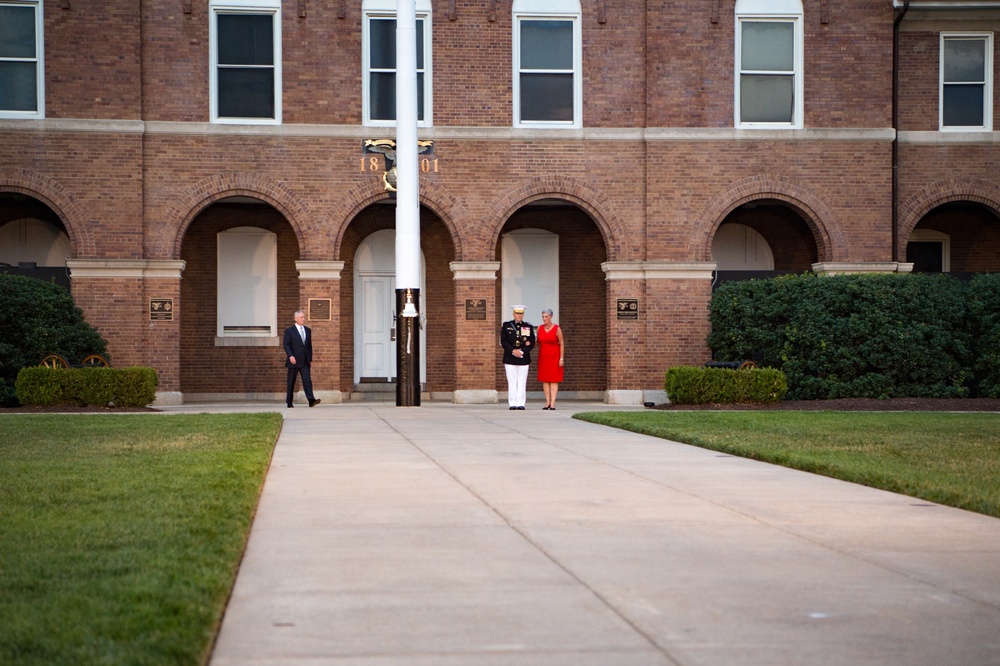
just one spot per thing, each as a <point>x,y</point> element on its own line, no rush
<point>916,207</point>
<point>197,198</point>
<point>60,200</point>
<point>434,197</point>
<point>595,203</point>
<point>818,216</point>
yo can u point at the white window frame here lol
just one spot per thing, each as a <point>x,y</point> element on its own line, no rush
<point>987,38</point>
<point>247,270</point>
<point>778,11</point>
<point>558,10</point>
<point>386,9</point>
<point>39,61</point>
<point>216,7</point>
<point>933,236</point>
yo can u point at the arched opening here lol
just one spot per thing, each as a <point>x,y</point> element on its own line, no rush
<point>367,305</point>
<point>763,238</point>
<point>956,237</point>
<point>550,254</point>
<point>239,291</point>
<point>33,240</point>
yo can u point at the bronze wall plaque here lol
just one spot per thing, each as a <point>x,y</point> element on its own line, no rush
<point>320,309</point>
<point>628,308</point>
<point>475,309</point>
<point>161,309</point>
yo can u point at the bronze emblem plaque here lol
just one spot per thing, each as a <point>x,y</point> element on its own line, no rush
<point>628,308</point>
<point>475,309</point>
<point>161,309</point>
<point>320,309</point>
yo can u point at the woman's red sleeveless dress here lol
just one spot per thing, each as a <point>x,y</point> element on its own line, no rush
<point>548,355</point>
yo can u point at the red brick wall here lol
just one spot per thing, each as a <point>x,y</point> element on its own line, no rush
<point>92,60</point>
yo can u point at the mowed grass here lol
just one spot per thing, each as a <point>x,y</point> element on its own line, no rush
<point>945,457</point>
<point>120,534</point>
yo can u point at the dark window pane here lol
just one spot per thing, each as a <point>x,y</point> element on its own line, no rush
<point>963,106</point>
<point>767,46</point>
<point>246,93</point>
<point>965,60</point>
<point>420,43</point>
<point>17,32</point>
<point>766,99</point>
<point>382,96</point>
<point>18,86</point>
<point>246,39</point>
<point>546,45</point>
<point>382,35</point>
<point>926,256</point>
<point>547,97</point>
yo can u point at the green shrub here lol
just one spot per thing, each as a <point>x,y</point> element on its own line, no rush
<point>984,317</point>
<point>876,336</point>
<point>687,385</point>
<point>39,318</point>
<point>119,387</point>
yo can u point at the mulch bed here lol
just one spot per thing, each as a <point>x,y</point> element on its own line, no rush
<point>859,405</point>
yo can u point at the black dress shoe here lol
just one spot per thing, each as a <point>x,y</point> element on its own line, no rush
<point>521,407</point>
<point>313,403</point>
<point>290,406</point>
<point>513,408</point>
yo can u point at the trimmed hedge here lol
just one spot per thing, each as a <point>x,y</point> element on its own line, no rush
<point>116,387</point>
<point>872,336</point>
<point>984,315</point>
<point>688,385</point>
<point>39,318</point>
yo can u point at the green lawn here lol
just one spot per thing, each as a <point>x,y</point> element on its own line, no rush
<point>120,534</point>
<point>945,457</point>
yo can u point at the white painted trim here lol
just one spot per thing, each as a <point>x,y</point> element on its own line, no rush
<point>116,268</point>
<point>272,7</point>
<point>319,270</point>
<point>987,38</point>
<point>562,10</point>
<point>474,270</point>
<point>846,267</point>
<point>658,270</point>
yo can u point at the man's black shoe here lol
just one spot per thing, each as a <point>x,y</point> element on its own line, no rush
<point>313,403</point>
<point>513,408</point>
<point>290,406</point>
<point>520,407</point>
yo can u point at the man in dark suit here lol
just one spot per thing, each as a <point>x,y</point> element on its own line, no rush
<point>298,344</point>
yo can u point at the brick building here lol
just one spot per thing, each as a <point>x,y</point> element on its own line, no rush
<point>203,168</point>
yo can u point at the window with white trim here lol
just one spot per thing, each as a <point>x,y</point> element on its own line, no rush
<point>769,59</point>
<point>548,81</point>
<point>379,47</point>
<point>966,75</point>
<point>245,53</point>
<point>247,274</point>
<point>22,80</point>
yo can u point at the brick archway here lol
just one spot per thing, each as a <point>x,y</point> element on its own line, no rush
<point>434,197</point>
<point>60,200</point>
<point>203,194</point>
<point>596,204</point>
<point>818,216</point>
<point>914,209</point>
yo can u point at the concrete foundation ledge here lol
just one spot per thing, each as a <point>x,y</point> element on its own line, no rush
<point>623,397</point>
<point>168,398</point>
<point>475,397</point>
<point>655,397</point>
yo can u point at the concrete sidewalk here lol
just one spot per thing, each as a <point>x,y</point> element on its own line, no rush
<point>468,535</point>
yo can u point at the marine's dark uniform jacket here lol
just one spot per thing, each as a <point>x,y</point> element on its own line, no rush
<point>514,335</point>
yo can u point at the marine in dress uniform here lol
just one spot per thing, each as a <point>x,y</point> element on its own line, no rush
<point>517,337</point>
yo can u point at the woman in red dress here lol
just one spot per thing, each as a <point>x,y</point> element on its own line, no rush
<point>550,358</point>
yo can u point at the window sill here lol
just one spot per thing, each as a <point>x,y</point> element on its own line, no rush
<point>247,341</point>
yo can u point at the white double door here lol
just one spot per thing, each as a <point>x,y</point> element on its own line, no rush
<point>375,309</point>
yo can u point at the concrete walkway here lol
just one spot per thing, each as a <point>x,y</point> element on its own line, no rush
<point>471,535</point>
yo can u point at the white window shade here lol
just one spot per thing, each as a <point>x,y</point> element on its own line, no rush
<point>247,302</point>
